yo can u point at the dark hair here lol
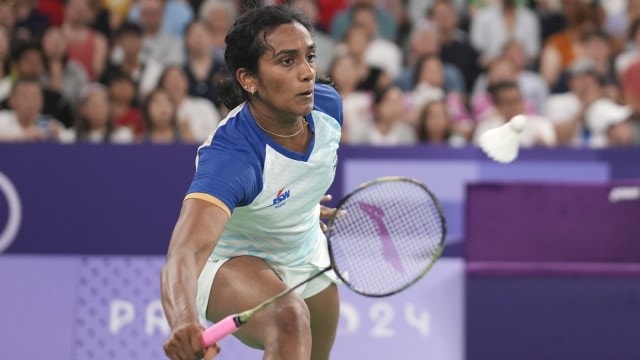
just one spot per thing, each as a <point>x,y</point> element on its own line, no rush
<point>423,130</point>
<point>495,89</point>
<point>246,43</point>
<point>82,125</point>
<point>146,109</point>
<point>633,29</point>
<point>128,28</point>
<point>420,65</point>
<point>21,47</point>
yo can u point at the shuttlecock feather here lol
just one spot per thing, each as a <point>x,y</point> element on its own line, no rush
<point>502,143</point>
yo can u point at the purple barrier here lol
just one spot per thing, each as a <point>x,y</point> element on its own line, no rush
<point>548,222</point>
<point>108,307</point>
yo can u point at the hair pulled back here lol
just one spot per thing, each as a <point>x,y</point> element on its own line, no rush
<point>246,43</point>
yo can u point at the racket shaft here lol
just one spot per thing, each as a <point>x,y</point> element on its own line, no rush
<point>218,331</point>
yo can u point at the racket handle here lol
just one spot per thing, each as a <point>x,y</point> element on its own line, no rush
<point>222,328</point>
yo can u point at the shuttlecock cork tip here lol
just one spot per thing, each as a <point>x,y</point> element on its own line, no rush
<point>518,123</point>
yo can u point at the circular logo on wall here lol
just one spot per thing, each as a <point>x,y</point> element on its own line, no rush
<point>10,230</point>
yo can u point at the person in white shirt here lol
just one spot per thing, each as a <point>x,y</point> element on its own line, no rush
<point>197,113</point>
<point>539,131</point>
<point>24,122</point>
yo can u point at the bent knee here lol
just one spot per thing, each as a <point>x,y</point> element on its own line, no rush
<point>292,316</point>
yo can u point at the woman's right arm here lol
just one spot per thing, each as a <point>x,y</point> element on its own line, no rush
<point>196,233</point>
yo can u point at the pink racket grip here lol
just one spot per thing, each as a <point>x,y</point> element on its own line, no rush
<point>218,331</point>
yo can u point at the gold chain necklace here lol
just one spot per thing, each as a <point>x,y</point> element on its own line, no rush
<point>303,124</point>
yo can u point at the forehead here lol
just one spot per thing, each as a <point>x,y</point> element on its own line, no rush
<point>289,36</point>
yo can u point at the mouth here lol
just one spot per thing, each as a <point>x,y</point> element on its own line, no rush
<point>307,94</point>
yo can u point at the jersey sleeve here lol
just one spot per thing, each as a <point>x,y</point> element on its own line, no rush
<point>225,176</point>
<point>328,101</point>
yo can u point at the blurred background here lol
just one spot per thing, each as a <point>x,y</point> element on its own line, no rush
<point>103,105</point>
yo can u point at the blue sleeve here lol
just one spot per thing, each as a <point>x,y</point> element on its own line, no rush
<point>227,173</point>
<point>328,100</point>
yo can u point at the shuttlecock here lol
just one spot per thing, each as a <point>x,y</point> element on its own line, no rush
<point>502,143</point>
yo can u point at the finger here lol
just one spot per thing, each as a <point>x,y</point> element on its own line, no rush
<point>212,352</point>
<point>323,227</point>
<point>326,198</point>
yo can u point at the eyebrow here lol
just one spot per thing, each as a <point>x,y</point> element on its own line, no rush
<point>293,51</point>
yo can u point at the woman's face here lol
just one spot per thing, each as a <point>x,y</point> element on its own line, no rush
<point>175,82</point>
<point>53,43</point>
<point>286,74</point>
<point>436,120</point>
<point>390,107</point>
<point>122,90</point>
<point>96,109</point>
<point>431,72</point>
<point>198,38</point>
<point>345,73</point>
<point>161,109</point>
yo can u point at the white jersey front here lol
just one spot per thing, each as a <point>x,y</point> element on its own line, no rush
<point>271,193</point>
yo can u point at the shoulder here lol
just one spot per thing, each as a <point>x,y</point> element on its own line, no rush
<point>328,100</point>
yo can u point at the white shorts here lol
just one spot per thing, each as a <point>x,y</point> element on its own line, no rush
<point>289,275</point>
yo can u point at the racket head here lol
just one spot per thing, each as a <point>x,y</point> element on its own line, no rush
<point>386,235</point>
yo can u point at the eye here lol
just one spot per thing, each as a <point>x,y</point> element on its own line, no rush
<point>311,58</point>
<point>287,61</point>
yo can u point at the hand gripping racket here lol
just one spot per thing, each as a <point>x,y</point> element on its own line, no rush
<point>384,237</point>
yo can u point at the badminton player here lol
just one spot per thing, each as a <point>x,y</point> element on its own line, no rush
<point>249,226</point>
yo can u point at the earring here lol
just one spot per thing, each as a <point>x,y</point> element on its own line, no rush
<point>252,91</point>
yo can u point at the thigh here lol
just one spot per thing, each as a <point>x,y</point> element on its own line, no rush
<point>324,308</point>
<point>242,283</point>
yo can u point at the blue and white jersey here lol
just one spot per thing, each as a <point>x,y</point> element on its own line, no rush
<point>272,194</point>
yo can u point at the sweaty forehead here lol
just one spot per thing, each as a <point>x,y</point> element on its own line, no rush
<point>289,37</point>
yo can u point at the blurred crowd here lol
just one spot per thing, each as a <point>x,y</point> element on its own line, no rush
<point>409,71</point>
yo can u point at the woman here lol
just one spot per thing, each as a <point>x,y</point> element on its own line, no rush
<point>95,122</point>
<point>198,114</point>
<point>62,74</point>
<point>159,113</point>
<point>231,248</point>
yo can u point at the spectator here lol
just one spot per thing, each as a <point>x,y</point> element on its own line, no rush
<point>417,9</point>
<point>562,49</point>
<point>30,22</point>
<point>195,113</point>
<point>390,125</point>
<point>219,15</point>
<point>631,88</point>
<point>533,87</point>
<point>357,105</point>
<point>325,44</point>
<point>500,70</point>
<point>118,11</point>
<point>355,43</point>
<point>429,86</point>
<point>494,26</point>
<point>158,44</point>
<point>122,95</point>
<point>435,126</point>
<point>25,121</point>
<point>424,40</point>
<point>583,115</point>
<point>84,45</point>
<point>455,47</point>
<point>174,15</point>
<point>159,114</point>
<point>343,20</point>
<point>95,118</point>
<point>538,131</point>
<point>27,62</point>
<point>128,40</point>
<point>204,70</point>
<point>380,52</point>
<point>62,74</point>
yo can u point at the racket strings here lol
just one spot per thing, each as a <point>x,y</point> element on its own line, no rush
<point>390,236</point>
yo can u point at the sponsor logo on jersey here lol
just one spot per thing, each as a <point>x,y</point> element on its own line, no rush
<point>281,197</point>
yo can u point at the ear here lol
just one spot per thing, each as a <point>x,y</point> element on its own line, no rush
<point>247,80</point>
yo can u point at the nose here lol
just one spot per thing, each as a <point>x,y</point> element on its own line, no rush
<point>308,71</point>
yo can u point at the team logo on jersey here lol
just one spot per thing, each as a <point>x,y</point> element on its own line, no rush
<point>281,197</point>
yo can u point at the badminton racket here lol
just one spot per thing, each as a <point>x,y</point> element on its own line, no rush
<point>383,237</point>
